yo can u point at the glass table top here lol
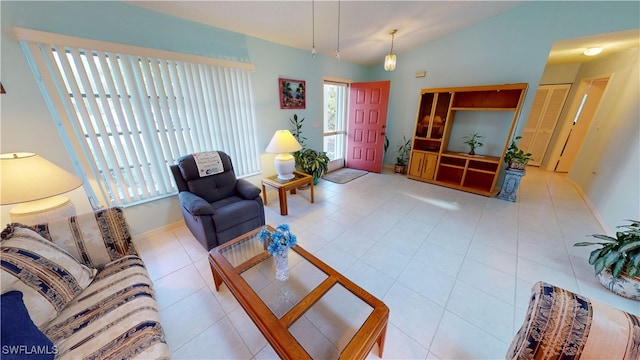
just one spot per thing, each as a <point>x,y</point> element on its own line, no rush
<point>296,176</point>
<point>327,325</point>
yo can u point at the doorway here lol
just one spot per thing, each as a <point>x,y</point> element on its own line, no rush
<point>335,122</point>
<point>584,106</point>
<point>354,123</point>
<point>368,105</point>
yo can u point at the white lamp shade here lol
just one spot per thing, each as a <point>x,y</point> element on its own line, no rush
<point>283,142</point>
<point>390,62</point>
<point>27,177</point>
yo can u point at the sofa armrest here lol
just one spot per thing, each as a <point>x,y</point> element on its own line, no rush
<point>246,189</point>
<point>94,239</point>
<point>561,324</point>
<point>194,204</point>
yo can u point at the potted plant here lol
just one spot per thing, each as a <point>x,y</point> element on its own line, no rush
<point>473,142</point>
<point>296,131</point>
<point>315,163</point>
<point>617,260</point>
<point>515,157</point>
<point>312,162</point>
<point>402,156</point>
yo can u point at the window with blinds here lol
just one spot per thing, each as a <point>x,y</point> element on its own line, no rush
<point>127,113</point>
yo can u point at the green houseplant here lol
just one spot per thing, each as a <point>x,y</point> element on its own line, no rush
<point>617,260</point>
<point>473,142</point>
<point>312,162</point>
<point>309,161</point>
<point>515,157</point>
<point>402,155</point>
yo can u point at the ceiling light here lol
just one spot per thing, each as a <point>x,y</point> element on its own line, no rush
<point>593,51</point>
<point>390,60</point>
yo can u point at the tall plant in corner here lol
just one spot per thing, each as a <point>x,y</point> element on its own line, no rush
<point>296,131</point>
<point>402,156</point>
<point>312,162</point>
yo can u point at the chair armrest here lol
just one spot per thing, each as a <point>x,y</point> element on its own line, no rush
<point>246,189</point>
<point>194,204</point>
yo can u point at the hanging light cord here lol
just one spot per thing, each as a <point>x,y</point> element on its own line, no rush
<point>338,45</point>
<point>393,34</point>
<point>313,27</point>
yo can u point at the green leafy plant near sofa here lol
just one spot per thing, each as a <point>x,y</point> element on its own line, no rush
<point>312,162</point>
<point>621,253</point>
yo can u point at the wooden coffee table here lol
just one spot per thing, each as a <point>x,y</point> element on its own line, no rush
<point>300,179</point>
<point>317,313</point>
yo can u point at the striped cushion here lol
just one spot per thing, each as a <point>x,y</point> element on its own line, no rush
<point>563,325</point>
<point>94,239</point>
<point>116,317</point>
<point>48,276</point>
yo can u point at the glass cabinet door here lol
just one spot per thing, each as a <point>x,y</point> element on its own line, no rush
<point>440,113</point>
<point>424,116</point>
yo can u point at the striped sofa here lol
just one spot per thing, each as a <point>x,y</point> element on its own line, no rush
<point>563,325</point>
<point>85,288</point>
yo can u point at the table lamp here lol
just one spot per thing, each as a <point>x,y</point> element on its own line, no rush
<point>283,143</point>
<point>34,183</point>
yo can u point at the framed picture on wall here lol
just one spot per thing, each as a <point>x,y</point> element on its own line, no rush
<point>292,94</point>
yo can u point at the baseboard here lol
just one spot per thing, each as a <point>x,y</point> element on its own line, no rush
<point>592,207</point>
<point>168,227</point>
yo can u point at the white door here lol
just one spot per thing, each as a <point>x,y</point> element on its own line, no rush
<point>588,102</point>
<point>545,111</point>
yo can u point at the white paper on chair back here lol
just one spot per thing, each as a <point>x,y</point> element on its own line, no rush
<point>208,163</point>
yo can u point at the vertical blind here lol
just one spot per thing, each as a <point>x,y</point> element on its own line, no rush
<point>126,116</point>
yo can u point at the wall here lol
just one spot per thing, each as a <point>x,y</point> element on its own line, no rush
<point>27,124</point>
<point>559,74</point>
<point>511,47</point>
<point>607,168</point>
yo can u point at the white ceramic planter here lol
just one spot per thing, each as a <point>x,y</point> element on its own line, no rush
<point>623,286</point>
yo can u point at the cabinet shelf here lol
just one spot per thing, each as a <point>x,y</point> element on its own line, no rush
<point>452,166</point>
<point>431,162</point>
<point>481,109</point>
<point>426,138</point>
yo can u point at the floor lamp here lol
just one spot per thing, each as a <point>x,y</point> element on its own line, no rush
<point>35,184</point>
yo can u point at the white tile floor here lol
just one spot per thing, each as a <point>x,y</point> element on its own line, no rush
<point>454,268</point>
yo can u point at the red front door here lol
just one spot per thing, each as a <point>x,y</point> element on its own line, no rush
<point>368,103</point>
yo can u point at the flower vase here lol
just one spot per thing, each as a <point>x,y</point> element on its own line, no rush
<point>282,265</point>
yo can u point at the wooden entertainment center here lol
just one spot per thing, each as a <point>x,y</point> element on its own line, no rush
<point>434,157</point>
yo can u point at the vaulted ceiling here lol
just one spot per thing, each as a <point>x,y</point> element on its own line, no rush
<point>364,26</point>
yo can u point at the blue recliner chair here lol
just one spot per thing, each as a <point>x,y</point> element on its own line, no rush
<point>217,208</point>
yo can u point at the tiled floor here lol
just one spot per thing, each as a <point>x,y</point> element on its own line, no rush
<point>454,268</point>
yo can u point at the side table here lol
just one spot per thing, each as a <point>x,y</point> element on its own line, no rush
<point>300,179</point>
<point>511,184</point>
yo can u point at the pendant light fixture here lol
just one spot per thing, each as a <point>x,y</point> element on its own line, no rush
<point>338,46</point>
<point>390,60</point>
<point>313,28</point>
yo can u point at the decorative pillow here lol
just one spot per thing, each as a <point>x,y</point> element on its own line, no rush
<point>47,276</point>
<point>563,325</point>
<point>94,239</point>
<point>20,337</point>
